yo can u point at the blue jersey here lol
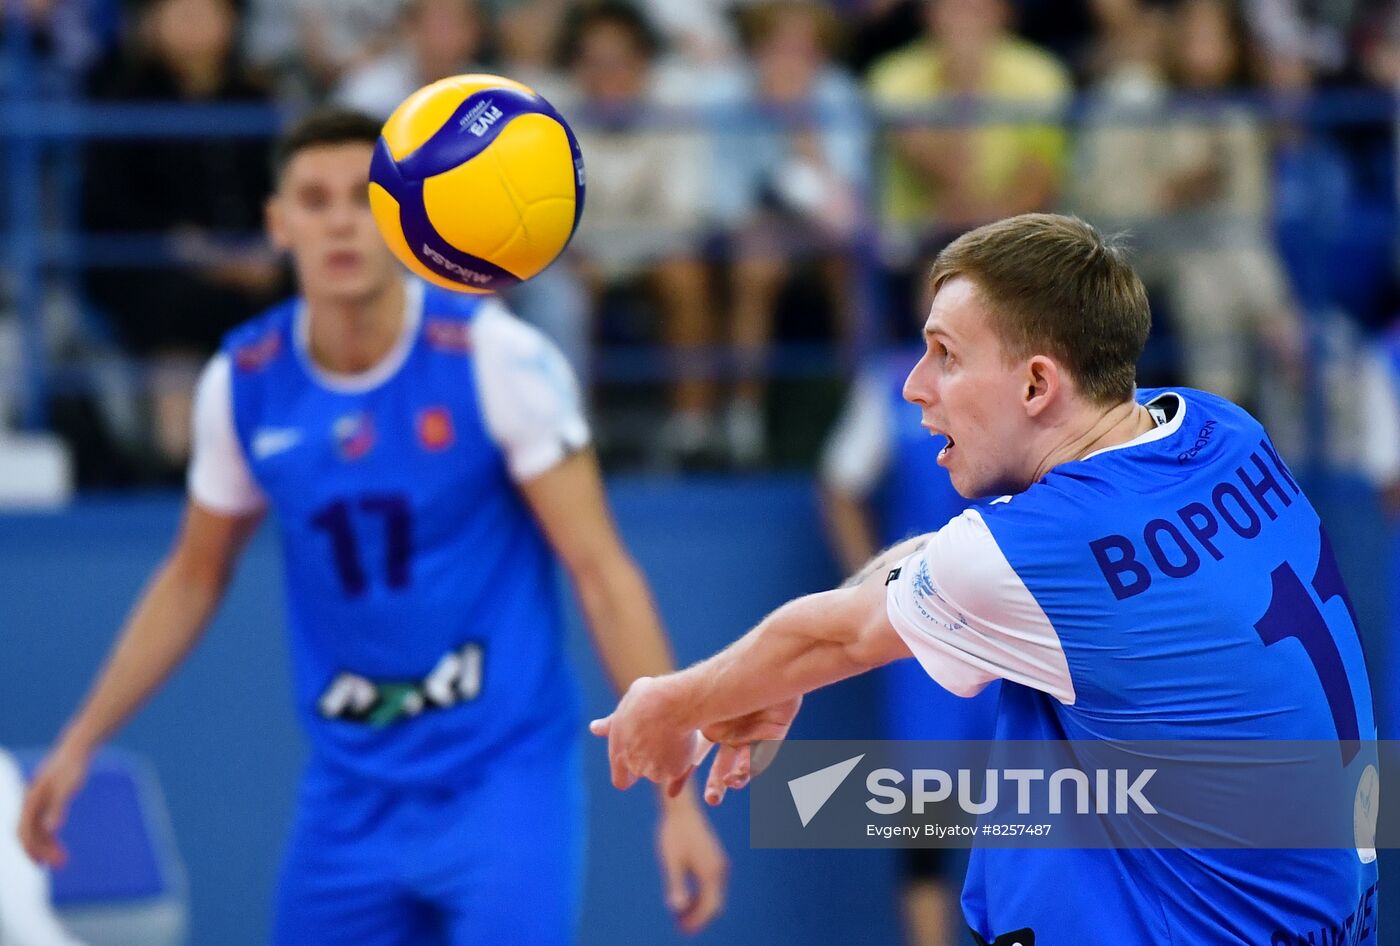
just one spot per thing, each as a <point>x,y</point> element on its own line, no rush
<point>422,609</point>
<point>1179,587</point>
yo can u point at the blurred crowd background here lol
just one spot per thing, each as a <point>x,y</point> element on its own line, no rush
<point>767,182</point>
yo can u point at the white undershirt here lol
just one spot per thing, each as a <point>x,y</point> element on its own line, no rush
<point>529,400</point>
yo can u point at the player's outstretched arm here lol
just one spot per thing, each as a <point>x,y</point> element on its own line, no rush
<point>569,502</point>
<point>166,622</point>
<point>808,643</point>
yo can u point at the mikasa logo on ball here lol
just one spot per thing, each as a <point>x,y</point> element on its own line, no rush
<point>451,267</point>
<point>480,118</point>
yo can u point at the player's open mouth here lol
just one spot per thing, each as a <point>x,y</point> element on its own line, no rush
<point>947,447</point>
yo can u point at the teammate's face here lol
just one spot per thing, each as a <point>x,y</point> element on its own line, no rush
<point>320,214</point>
<point>969,391</point>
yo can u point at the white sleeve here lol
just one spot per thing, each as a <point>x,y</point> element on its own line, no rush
<point>969,619</point>
<point>219,478</point>
<point>1380,419</point>
<point>857,451</point>
<point>529,398</point>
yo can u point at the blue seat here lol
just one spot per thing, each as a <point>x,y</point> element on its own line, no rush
<point>124,884</point>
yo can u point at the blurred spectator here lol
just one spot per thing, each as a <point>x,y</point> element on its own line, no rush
<point>311,44</point>
<point>1192,181</point>
<point>1331,257</point>
<point>787,184</point>
<point>196,193</point>
<point>698,35</point>
<point>1226,282</point>
<point>66,36</point>
<point>1379,46</point>
<point>646,197</point>
<point>1114,180</point>
<point>1315,32</point>
<point>438,38</point>
<point>946,179</point>
<point>875,28</point>
<point>1066,28</point>
<point>528,34</point>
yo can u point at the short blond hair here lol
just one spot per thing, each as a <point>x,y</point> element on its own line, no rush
<point>1056,286</point>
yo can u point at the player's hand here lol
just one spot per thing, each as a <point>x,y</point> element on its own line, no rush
<point>734,763</point>
<point>693,866</point>
<point>647,736</point>
<point>46,804</point>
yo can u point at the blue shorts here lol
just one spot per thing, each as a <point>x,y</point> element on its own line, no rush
<point>499,860</point>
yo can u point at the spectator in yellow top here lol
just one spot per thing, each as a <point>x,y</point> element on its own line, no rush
<point>951,177</point>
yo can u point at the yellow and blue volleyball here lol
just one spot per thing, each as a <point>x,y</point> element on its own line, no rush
<point>476,183</point>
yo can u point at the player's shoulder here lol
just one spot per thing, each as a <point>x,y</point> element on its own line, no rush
<point>499,332</point>
<point>1197,435</point>
<point>968,564</point>
<point>1197,427</point>
<point>440,303</point>
<point>258,343</point>
<point>450,319</point>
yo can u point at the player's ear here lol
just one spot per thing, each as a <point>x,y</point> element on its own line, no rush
<point>272,219</point>
<point>1042,382</point>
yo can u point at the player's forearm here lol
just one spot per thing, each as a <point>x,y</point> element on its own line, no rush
<point>166,623</point>
<point>623,621</point>
<point>806,644</point>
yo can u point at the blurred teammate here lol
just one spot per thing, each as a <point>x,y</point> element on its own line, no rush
<point>427,461</point>
<point>1153,573</point>
<point>881,484</point>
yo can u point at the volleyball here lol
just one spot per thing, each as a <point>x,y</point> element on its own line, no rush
<point>476,183</point>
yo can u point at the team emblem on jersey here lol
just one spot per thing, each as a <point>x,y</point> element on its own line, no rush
<point>258,354</point>
<point>449,336</point>
<point>435,429</point>
<point>354,435</point>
